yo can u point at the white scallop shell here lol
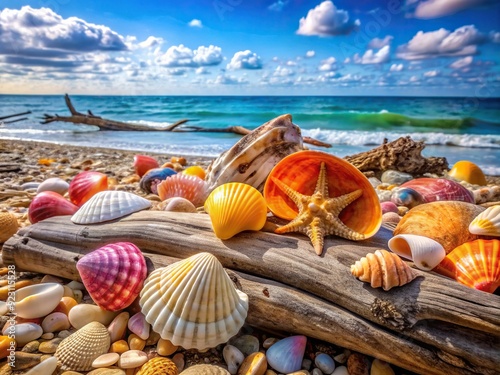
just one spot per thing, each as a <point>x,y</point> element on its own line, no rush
<point>423,251</point>
<point>487,223</point>
<point>36,301</point>
<point>109,205</point>
<point>193,303</point>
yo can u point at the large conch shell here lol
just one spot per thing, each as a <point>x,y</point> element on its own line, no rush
<point>383,269</point>
<point>193,303</point>
<point>446,222</point>
<point>487,223</point>
<point>251,159</point>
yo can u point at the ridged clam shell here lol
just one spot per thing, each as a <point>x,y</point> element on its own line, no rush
<point>181,185</point>
<point>49,204</point>
<point>77,351</point>
<point>55,184</point>
<point>157,366</point>
<point>487,223</point>
<point>235,207</point>
<point>465,170</point>
<point>205,370</point>
<point>423,251</point>
<point>439,189</point>
<point>85,185</point>
<point>113,274</point>
<point>287,354</point>
<point>109,205</point>
<point>383,269</point>
<point>193,303</point>
<point>149,182</point>
<point>251,159</point>
<point>143,163</point>
<point>8,226</point>
<point>36,301</point>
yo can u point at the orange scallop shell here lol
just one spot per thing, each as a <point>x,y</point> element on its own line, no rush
<point>300,172</point>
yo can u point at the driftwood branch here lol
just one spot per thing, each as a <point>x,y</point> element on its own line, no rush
<point>14,115</point>
<point>432,325</point>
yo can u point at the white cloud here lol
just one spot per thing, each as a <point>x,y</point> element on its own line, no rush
<point>202,70</point>
<point>291,63</point>
<point>327,20</point>
<point>182,56</point>
<point>414,79</point>
<point>195,23</point>
<point>151,42</point>
<point>245,60</point>
<point>371,57</point>
<point>431,73</point>
<point>328,64</point>
<point>228,80</point>
<point>396,67</point>
<point>378,43</point>
<point>462,63</point>
<point>312,53</point>
<point>438,8</point>
<point>495,36</point>
<point>462,41</point>
<point>278,5</point>
<point>347,60</point>
<point>283,72</point>
<point>176,72</point>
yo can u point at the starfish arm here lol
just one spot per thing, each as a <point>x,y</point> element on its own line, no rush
<point>336,205</point>
<point>296,225</point>
<point>295,196</point>
<point>338,228</point>
<point>322,183</point>
<point>316,233</point>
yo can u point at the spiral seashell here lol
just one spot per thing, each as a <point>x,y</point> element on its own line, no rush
<point>423,251</point>
<point>85,185</point>
<point>77,351</point>
<point>234,208</point>
<point>55,184</point>
<point>439,189</point>
<point>109,205</point>
<point>287,354</point>
<point>143,163</point>
<point>149,182</point>
<point>157,366</point>
<point>193,303</point>
<point>383,269</point>
<point>181,185</point>
<point>48,204</point>
<point>8,226</point>
<point>465,170</point>
<point>487,223</point>
<point>113,274</point>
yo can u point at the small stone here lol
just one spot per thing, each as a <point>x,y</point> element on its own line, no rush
<point>26,360</point>
<point>384,195</point>
<point>205,370</point>
<point>316,371</point>
<point>47,336</point>
<point>391,217</point>
<point>254,364</point>
<point>177,204</point>
<point>118,327</point>
<point>50,347</point>
<point>137,324</point>
<point>75,285</point>
<point>341,370</point>
<point>132,359</point>
<point>153,338</point>
<point>388,207</point>
<point>120,346</point>
<point>135,342</point>
<point>395,177</point>
<point>78,295</point>
<point>325,363</point>
<point>270,372</point>
<point>47,366</point>
<point>51,279</point>
<point>106,360</point>
<point>233,357</point>
<point>81,315</point>
<point>381,368</point>
<point>165,347</point>
<point>31,347</point>
<point>63,334</point>
<point>374,181</point>
<point>53,322</point>
<point>306,364</point>
<point>107,371</point>
<point>300,372</point>
<point>68,292</point>
<point>178,359</point>
<point>65,305</point>
<point>358,364</point>
<point>402,210</point>
<point>269,342</point>
<point>26,332</point>
<point>247,344</point>
<point>71,373</point>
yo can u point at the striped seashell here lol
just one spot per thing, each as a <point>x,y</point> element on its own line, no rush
<point>205,370</point>
<point>109,205</point>
<point>85,185</point>
<point>143,163</point>
<point>487,223</point>
<point>113,274</point>
<point>49,204</point>
<point>439,189</point>
<point>77,351</point>
<point>181,185</point>
<point>193,303</point>
<point>8,226</point>
<point>383,269</point>
<point>158,366</point>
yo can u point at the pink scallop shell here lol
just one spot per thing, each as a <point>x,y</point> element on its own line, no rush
<point>192,188</point>
<point>85,185</point>
<point>439,189</point>
<point>113,274</point>
<point>48,204</point>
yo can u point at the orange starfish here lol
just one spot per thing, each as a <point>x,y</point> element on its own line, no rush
<point>318,213</point>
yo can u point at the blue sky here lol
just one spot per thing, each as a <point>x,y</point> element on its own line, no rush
<point>243,47</point>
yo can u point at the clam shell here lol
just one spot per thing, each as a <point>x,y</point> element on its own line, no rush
<point>439,189</point>
<point>286,355</point>
<point>149,182</point>
<point>205,370</point>
<point>299,171</point>
<point>158,365</point>
<point>113,274</point>
<point>487,223</point>
<point>193,303</point>
<point>465,170</point>
<point>383,269</point>
<point>77,351</point>
<point>143,163</point>
<point>181,185</point>
<point>55,184</point>
<point>446,222</point>
<point>109,205</point>
<point>235,207</point>
<point>36,301</point>
<point>85,185</point>
<point>423,251</point>
<point>48,204</point>
<point>8,226</point>
<point>251,159</point>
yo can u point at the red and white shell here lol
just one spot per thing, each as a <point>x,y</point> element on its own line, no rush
<point>439,189</point>
<point>192,188</point>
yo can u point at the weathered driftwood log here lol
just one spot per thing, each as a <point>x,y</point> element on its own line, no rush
<point>403,154</point>
<point>14,115</point>
<point>429,323</point>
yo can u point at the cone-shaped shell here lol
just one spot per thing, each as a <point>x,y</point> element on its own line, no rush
<point>287,354</point>
<point>158,366</point>
<point>193,303</point>
<point>423,251</point>
<point>300,171</point>
<point>77,351</point>
<point>8,226</point>
<point>36,301</point>
<point>109,205</point>
<point>113,274</point>
<point>48,204</point>
<point>234,208</point>
<point>85,185</point>
<point>143,163</point>
<point>439,189</point>
<point>465,170</point>
<point>476,264</point>
<point>445,222</point>
<point>487,223</point>
<point>383,269</point>
<point>192,188</point>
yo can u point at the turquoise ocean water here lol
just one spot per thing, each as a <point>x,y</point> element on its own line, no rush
<point>456,128</point>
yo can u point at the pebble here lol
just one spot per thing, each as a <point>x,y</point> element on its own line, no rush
<point>81,315</point>
<point>26,332</point>
<point>55,184</point>
<point>51,279</point>
<point>384,195</point>
<point>57,321</point>
<point>178,359</point>
<point>107,371</point>
<point>270,372</point>
<point>47,336</point>
<point>388,207</point>
<point>135,342</point>
<point>132,359</point>
<point>137,324</point>
<point>391,217</point>
<point>30,186</point>
<point>381,368</point>
<point>48,366</point>
<point>306,364</point>
<point>153,338</point>
<point>402,210</point>
<point>120,346</point>
<point>395,177</point>
<point>106,360</point>
<point>68,292</point>
<point>247,344</point>
<point>50,347</point>
<point>31,347</point>
<point>4,290</point>
<point>118,327</point>
<point>204,370</point>
<point>26,360</point>
<point>325,363</point>
<point>75,285</point>
<point>316,371</point>
<point>254,364</point>
<point>65,305</point>
<point>233,357</point>
<point>300,372</point>
<point>3,308</point>
<point>269,342</point>
<point>71,373</point>
<point>358,364</point>
<point>165,347</point>
<point>341,370</point>
<point>78,295</point>
<point>63,334</point>
<point>374,181</point>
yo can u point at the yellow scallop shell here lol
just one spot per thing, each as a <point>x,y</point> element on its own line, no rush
<point>235,207</point>
<point>157,366</point>
<point>8,226</point>
<point>465,170</point>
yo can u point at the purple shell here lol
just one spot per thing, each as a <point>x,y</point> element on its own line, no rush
<point>439,189</point>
